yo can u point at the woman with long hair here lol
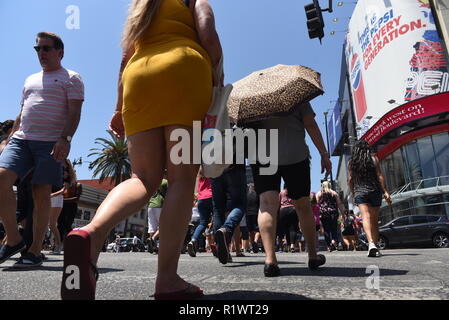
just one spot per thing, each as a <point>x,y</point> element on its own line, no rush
<point>170,49</point>
<point>330,205</point>
<point>367,185</point>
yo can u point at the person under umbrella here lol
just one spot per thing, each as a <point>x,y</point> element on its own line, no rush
<point>294,168</point>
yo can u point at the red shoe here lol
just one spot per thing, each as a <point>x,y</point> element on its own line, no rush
<point>191,292</point>
<point>213,248</point>
<point>80,276</point>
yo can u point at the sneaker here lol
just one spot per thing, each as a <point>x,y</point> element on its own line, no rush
<point>151,245</point>
<point>222,245</point>
<point>373,251</point>
<point>229,258</point>
<point>191,249</point>
<point>28,260</point>
<point>56,251</point>
<point>255,247</point>
<point>7,252</point>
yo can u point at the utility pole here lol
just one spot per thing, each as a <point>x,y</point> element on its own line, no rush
<point>328,148</point>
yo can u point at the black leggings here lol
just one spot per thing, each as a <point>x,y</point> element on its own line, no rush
<point>330,226</point>
<point>288,224</point>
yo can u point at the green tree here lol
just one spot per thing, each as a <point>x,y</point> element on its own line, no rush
<point>112,159</point>
<point>112,162</point>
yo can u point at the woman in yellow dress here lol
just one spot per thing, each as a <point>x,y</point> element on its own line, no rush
<point>170,49</point>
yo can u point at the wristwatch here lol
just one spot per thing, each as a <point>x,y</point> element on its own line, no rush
<point>67,138</point>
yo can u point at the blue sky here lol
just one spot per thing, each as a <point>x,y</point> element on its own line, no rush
<point>255,34</point>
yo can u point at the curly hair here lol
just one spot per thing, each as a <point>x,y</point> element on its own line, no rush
<point>361,163</point>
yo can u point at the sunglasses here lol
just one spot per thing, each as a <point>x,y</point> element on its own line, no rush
<point>45,48</point>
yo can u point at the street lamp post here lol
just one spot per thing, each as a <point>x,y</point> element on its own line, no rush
<point>328,148</point>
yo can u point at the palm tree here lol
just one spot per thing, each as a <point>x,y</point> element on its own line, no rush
<point>112,162</point>
<point>112,159</point>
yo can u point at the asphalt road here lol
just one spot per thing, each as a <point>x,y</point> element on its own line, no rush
<point>403,274</point>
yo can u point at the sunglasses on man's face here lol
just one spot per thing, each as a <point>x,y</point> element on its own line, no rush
<point>45,48</point>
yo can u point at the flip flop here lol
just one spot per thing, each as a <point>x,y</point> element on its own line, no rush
<point>191,292</point>
<point>80,276</point>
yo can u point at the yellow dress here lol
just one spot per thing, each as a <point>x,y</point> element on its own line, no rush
<point>168,80</point>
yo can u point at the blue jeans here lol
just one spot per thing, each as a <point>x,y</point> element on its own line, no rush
<point>205,208</point>
<point>232,182</point>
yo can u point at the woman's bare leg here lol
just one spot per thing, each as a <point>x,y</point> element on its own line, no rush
<point>367,220</point>
<point>269,203</point>
<point>54,215</point>
<point>305,216</point>
<point>175,217</point>
<point>374,220</point>
<point>147,154</point>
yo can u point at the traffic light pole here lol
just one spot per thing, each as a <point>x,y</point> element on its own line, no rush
<point>330,7</point>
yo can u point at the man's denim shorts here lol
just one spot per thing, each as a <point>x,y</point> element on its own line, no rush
<point>22,156</point>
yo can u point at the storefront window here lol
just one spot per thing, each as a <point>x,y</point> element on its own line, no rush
<point>441,145</point>
<point>413,164</point>
<point>428,164</point>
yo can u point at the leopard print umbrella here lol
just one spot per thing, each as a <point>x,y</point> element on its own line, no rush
<point>272,92</point>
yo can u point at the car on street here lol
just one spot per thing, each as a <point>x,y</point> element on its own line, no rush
<point>415,230</point>
<point>126,245</point>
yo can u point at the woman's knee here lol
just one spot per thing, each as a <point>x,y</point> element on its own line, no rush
<point>151,181</point>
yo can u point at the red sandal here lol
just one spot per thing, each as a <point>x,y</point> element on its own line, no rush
<point>189,293</point>
<point>80,276</point>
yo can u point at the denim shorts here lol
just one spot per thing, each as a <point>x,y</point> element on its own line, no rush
<point>373,199</point>
<point>24,156</point>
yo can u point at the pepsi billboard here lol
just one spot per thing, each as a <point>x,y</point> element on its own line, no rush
<point>394,56</point>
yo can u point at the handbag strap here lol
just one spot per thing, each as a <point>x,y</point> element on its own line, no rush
<point>218,71</point>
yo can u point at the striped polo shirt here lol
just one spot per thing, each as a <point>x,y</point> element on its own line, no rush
<point>45,104</point>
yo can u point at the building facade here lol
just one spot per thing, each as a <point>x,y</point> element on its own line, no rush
<point>394,94</point>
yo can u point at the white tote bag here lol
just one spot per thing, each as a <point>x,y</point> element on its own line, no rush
<point>213,146</point>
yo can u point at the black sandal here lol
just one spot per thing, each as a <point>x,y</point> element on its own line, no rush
<point>315,263</point>
<point>271,270</point>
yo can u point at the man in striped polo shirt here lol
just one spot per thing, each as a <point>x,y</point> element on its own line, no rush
<point>40,141</point>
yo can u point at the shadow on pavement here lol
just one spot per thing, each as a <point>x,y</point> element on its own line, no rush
<point>399,254</point>
<point>56,269</point>
<point>236,263</point>
<point>253,295</point>
<point>338,272</point>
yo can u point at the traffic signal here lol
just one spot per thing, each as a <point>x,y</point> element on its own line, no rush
<point>315,22</point>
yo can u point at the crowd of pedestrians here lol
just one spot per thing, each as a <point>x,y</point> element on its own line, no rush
<point>228,214</point>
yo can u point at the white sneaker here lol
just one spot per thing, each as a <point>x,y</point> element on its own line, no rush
<point>373,251</point>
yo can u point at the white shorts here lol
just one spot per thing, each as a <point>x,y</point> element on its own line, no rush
<point>153,219</point>
<point>57,202</point>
